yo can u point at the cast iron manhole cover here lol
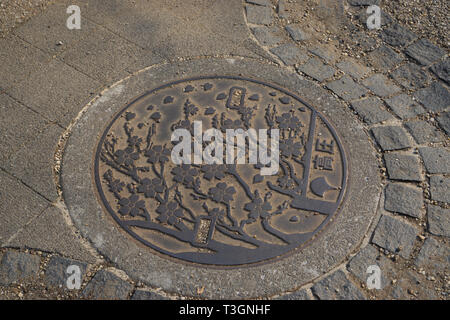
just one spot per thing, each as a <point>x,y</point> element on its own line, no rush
<point>220,214</point>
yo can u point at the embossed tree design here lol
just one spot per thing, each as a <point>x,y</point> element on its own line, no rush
<point>153,196</point>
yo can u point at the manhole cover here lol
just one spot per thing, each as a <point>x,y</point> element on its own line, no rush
<point>228,213</point>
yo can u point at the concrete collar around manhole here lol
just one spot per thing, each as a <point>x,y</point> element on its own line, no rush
<point>204,210</point>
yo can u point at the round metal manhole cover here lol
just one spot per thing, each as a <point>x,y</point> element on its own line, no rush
<point>236,203</point>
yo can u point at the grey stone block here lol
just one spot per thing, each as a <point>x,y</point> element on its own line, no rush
<point>17,60</point>
<point>384,58</point>
<point>55,91</point>
<point>411,286</point>
<point>139,22</point>
<point>403,167</point>
<point>391,137</point>
<point>317,69</point>
<point>259,15</point>
<point>252,49</point>
<point>395,235</point>
<point>296,32</point>
<point>107,286</point>
<point>404,199</point>
<point>216,29</point>
<point>144,58</point>
<point>327,53</point>
<point>359,38</point>
<point>371,110</point>
<point>364,2</point>
<point>297,295</point>
<point>439,188</point>
<point>204,41</point>
<point>281,10</point>
<point>404,106</point>
<point>442,70</point>
<point>424,52</point>
<point>347,89</point>
<point>56,273</point>
<point>267,36</point>
<point>380,85</point>
<point>47,31</point>
<point>369,256</point>
<point>397,36</point>
<point>18,266</point>
<point>436,160</point>
<point>49,232</point>
<point>439,221</point>
<point>264,3</point>
<point>18,206</point>
<point>33,163</point>
<point>290,54</point>
<point>147,295</point>
<point>435,98</point>
<point>444,121</point>
<point>337,287</point>
<point>411,77</point>
<point>353,68</point>
<point>423,132</point>
<point>210,29</point>
<point>103,55</point>
<point>433,256</point>
<point>18,125</point>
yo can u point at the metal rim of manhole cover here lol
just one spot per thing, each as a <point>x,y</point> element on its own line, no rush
<point>266,278</point>
<point>215,209</point>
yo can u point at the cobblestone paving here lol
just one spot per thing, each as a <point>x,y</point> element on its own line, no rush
<point>393,80</point>
<point>398,92</point>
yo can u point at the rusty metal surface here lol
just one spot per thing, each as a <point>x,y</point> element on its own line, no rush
<point>223,215</point>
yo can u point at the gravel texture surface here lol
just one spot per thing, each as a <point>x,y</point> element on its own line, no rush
<point>426,18</point>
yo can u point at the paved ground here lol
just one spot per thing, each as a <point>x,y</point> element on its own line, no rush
<point>394,80</point>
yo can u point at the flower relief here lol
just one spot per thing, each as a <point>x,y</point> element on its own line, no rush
<point>208,213</point>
